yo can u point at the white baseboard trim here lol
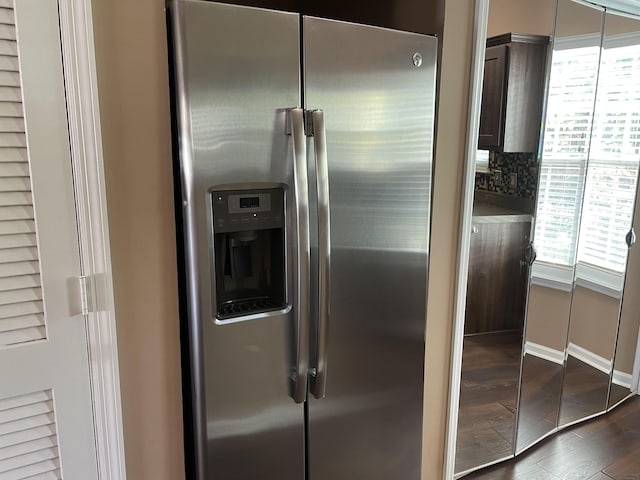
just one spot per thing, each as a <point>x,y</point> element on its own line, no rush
<point>622,379</point>
<point>590,358</point>
<point>546,353</point>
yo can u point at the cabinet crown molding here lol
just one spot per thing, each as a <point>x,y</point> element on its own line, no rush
<point>517,38</point>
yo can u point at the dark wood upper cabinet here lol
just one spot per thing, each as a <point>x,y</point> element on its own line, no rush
<point>513,93</point>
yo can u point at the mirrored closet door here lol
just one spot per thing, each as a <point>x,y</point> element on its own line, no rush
<point>573,80</point>
<point>607,213</point>
<point>616,139</point>
<point>515,65</point>
<point>559,341</point>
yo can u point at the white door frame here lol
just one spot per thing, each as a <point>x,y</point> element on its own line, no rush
<point>78,53</point>
<point>473,126</point>
<point>635,381</point>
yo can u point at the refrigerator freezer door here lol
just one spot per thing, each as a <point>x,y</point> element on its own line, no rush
<point>237,72</point>
<point>376,88</point>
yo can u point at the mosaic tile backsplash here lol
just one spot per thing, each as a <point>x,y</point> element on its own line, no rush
<point>524,165</point>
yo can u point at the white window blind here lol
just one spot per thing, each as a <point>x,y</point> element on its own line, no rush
<point>21,309</point>
<point>597,155</point>
<point>614,159</point>
<point>572,89</point>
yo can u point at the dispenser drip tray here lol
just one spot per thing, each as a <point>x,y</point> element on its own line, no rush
<point>247,306</point>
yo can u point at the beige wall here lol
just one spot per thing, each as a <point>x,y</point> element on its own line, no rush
<point>618,25</point>
<point>576,19</point>
<point>133,90</point>
<point>594,321</point>
<point>521,16</point>
<point>448,176</point>
<point>134,106</point>
<point>548,317</point>
<point>593,325</point>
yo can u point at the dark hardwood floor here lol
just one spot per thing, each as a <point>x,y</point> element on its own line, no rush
<point>605,448</point>
<point>541,388</point>
<point>488,397</point>
<point>584,391</point>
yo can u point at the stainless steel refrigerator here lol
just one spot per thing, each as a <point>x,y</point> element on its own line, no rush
<point>303,166</point>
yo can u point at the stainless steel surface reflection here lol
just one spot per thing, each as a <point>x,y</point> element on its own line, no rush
<point>355,224</point>
<point>240,72</point>
<point>378,116</point>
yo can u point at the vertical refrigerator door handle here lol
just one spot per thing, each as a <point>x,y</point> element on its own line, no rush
<point>302,257</point>
<point>319,379</point>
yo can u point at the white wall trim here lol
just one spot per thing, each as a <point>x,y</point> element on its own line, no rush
<point>76,27</point>
<point>558,277</point>
<point>621,7</point>
<point>587,356</point>
<point>577,41</point>
<point>562,277</point>
<point>544,352</point>
<point>622,379</point>
<point>473,126</point>
<point>601,280</point>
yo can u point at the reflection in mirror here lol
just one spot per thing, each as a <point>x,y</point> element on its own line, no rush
<point>626,364</point>
<point>618,142</point>
<point>504,200</point>
<point>607,211</point>
<point>571,95</point>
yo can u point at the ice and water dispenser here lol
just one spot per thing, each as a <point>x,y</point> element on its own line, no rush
<point>249,251</point>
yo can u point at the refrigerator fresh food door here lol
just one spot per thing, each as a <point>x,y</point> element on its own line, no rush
<point>375,88</point>
<point>237,72</point>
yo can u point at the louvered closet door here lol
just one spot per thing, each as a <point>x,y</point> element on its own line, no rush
<point>46,426</point>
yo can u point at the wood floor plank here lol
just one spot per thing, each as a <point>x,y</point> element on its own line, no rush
<point>605,448</point>
<point>515,472</point>
<point>600,476</point>
<point>579,464</point>
<point>627,467</point>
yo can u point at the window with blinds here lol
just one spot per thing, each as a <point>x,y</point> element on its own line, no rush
<point>28,437</point>
<point>21,310</point>
<point>614,158</point>
<point>596,155</point>
<point>572,89</point>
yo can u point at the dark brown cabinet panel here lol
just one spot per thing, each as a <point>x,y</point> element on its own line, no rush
<point>493,94</point>
<point>497,281</point>
<point>513,93</point>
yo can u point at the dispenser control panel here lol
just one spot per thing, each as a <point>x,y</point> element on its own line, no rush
<point>238,210</point>
<point>248,252</point>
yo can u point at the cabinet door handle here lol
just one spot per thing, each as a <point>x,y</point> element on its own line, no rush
<point>530,253</point>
